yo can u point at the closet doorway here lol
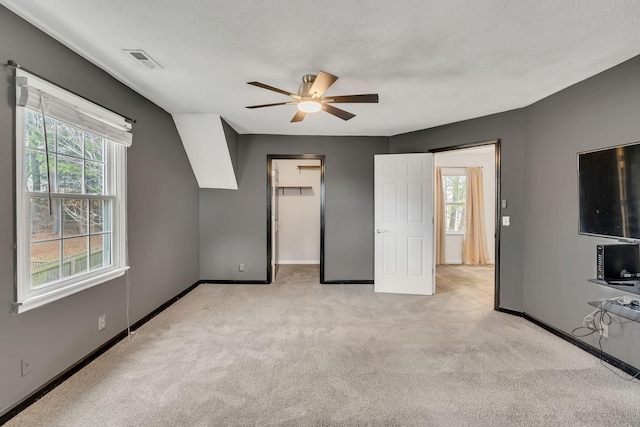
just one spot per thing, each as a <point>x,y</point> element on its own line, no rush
<point>295,213</point>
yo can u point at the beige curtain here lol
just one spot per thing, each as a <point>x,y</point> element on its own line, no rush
<point>439,229</point>
<point>474,248</point>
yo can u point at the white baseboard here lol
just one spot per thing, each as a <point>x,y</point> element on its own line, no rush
<point>299,261</point>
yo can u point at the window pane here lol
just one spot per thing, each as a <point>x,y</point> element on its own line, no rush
<point>447,183</point>
<point>74,217</point>
<point>455,199</point>
<point>34,133</point>
<point>451,218</point>
<point>447,210</point>
<point>34,136</point>
<point>94,178</point>
<point>100,251</point>
<point>36,170</point>
<point>74,253</point>
<point>45,262</point>
<point>69,141</point>
<point>99,216</point>
<point>69,177</point>
<point>44,226</point>
<point>457,196</point>
<point>93,147</point>
<point>454,217</point>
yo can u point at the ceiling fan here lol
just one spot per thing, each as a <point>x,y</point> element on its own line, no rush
<point>309,98</point>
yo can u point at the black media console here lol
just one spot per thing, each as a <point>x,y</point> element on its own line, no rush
<point>632,286</point>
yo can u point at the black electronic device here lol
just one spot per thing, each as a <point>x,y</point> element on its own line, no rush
<point>609,192</point>
<point>618,263</point>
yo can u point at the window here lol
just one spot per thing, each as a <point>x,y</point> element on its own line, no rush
<point>71,193</point>
<point>455,193</point>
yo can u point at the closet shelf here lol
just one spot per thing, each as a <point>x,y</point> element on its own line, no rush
<point>300,187</point>
<point>300,167</point>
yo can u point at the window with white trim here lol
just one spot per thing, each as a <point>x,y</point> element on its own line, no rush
<point>455,194</point>
<point>70,192</point>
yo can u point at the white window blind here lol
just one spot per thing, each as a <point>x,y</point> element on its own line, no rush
<point>58,104</point>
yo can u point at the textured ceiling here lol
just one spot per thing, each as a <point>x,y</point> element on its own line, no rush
<point>431,62</point>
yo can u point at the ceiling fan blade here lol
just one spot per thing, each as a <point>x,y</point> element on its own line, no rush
<point>270,105</point>
<point>322,82</point>
<point>344,115</point>
<point>370,98</point>
<point>275,89</point>
<point>298,117</point>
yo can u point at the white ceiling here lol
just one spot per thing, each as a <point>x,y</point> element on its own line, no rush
<point>432,62</point>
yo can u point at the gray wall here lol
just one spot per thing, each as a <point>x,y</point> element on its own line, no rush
<point>163,221</point>
<point>509,128</point>
<point>233,223</point>
<point>545,264</point>
<point>600,112</point>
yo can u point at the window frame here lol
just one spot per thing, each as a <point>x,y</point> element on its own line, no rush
<point>453,172</point>
<point>115,183</point>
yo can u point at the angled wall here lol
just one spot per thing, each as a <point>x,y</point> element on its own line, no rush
<point>205,140</point>
<point>163,221</point>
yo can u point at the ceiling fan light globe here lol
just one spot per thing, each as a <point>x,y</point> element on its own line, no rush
<point>309,106</point>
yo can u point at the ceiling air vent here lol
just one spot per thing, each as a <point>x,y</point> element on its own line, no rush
<point>142,58</point>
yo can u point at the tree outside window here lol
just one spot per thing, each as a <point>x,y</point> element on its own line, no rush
<point>69,237</point>
<point>455,193</point>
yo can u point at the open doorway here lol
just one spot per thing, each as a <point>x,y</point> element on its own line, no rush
<point>467,228</point>
<point>295,216</point>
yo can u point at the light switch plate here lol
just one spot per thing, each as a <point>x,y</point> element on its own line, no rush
<point>506,221</point>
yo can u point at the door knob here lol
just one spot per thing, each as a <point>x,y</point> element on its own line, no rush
<point>380,231</point>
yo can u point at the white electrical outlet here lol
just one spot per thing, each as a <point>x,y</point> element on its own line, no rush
<point>26,365</point>
<point>588,322</point>
<point>241,268</point>
<point>102,322</point>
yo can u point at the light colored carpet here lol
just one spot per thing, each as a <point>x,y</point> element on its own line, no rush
<point>297,353</point>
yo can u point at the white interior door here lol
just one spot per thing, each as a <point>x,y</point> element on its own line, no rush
<point>275,219</point>
<point>404,256</point>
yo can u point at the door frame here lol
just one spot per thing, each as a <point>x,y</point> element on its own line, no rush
<point>271,157</point>
<point>498,226</point>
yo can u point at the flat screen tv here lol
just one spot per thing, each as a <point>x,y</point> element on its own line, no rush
<point>609,192</point>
